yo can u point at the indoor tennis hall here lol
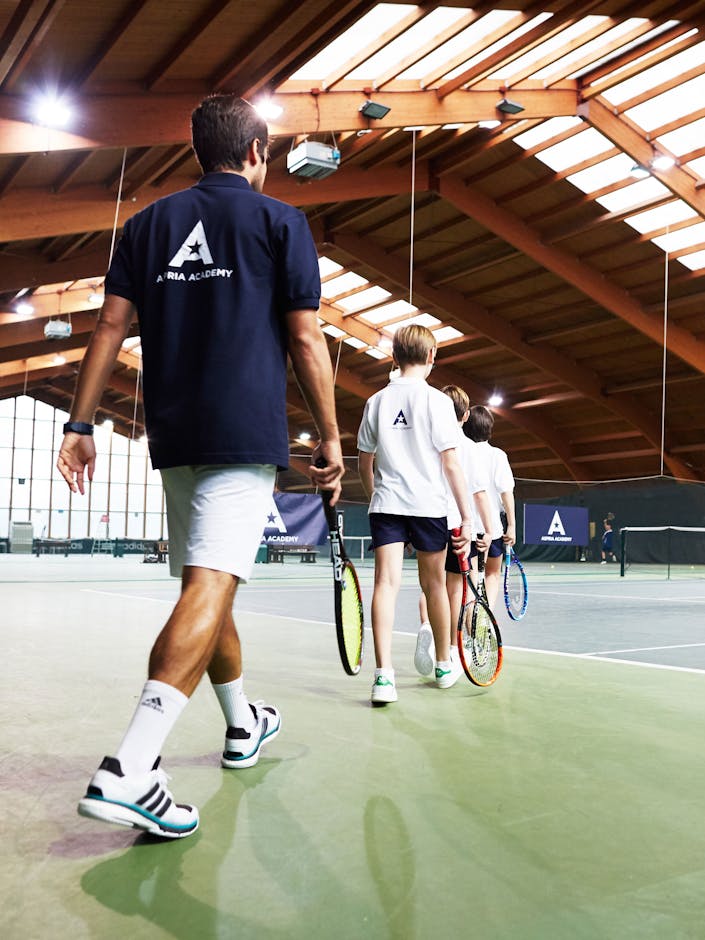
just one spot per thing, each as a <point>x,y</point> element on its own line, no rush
<point>525,180</point>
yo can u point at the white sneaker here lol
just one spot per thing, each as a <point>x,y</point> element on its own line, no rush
<point>383,691</point>
<point>425,650</point>
<point>142,802</point>
<point>447,677</point>
<point>242,747</point>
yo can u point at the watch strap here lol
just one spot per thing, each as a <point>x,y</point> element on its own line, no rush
<point>78,427</point>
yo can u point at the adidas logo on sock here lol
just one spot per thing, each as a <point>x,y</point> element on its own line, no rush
<point>155,703</point>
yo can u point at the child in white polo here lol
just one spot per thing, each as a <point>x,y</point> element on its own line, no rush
<point>407,449</point>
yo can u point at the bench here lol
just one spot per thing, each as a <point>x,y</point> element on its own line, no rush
<point>306,553</point>
<point>52,547</point>
<point>157,554</point>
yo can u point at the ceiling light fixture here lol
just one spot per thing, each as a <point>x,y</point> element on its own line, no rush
<point>509,107</point>
<point>304,436</point>
<point>95,298</point>
<point>24,309</point>
<point>268,109</point>
<point>639,171</point>
<point>662,162</point>
<point>50,110</point>
<point>59,360</point>
<point>374,110</point>
<point>495,400</point>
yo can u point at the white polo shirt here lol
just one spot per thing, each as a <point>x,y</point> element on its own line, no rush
<point>407,425</point>
<point>493,467</point>
<point>476,478</point>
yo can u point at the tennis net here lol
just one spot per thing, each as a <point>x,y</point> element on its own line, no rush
<point>679,550</point>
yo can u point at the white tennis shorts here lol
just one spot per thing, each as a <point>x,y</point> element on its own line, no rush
<point>216,515</point>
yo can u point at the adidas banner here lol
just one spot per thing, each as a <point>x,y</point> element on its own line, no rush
<point>295,519</point>
<point>555,525</point>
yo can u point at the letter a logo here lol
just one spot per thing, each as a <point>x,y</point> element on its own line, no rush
<point>556,526</point>
<point>400,419</point>
<point>195,248</point>
<point>274,518</point>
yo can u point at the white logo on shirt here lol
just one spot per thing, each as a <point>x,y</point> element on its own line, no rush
<point>400,420</point>
<point>195,248</point>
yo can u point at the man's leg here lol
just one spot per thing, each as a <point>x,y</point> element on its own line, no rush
<point>493,569</point>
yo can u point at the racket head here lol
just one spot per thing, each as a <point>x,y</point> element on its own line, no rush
<point>479,639</point>
<point>349,619</point>
<point>516,589</point>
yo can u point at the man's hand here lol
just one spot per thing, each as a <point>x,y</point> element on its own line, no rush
<point>327,468</point>
<point>509,537</point>
<point>77,454</point>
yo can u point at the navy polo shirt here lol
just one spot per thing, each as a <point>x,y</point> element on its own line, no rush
<point>212,272</point>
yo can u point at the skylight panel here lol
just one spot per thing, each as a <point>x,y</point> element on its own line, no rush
<point>560,40</point>
<point>570,152</point>
<point>697,166</point>
<point>376,353</point>
<point>500,44</point>
<point>327,266</point>
<point>602,174</point>
<point>618,53</point>
<point>683,238</point>
<point>387,312</point>
<point>366,298</point>
<point>684,139</point>
<point>657,74</point>
<point>661,216</point>
<point>551,128</point>
<point>632,195</point>
<point>671,105</point>
<point>334,331</point>
<point>445,333</point>
<point>355,342</point>
<point>353,40</point>
<point>455,46</point>
<point>423,319</point>
<point>342,284</point>
<point>412,39</point>
<point>695,262</point>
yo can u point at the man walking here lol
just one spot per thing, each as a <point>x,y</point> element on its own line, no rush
<point>225,283</point>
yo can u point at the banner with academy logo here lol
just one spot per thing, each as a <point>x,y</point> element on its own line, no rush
<point>295,519</point>
<point>555,525</point>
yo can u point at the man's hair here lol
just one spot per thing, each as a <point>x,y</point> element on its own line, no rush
<point>222,129</point>
<point>479,425</point>
<point>412,345</point>
<point>460,399</point>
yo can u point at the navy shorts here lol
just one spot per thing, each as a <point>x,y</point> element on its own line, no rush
<point>425,534</point>
<point>453,565</point>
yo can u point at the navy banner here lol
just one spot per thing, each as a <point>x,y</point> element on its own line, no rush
<point>555,525</point>
<point>295,519</point>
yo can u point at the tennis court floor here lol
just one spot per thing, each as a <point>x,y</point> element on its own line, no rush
<point>565,802</point>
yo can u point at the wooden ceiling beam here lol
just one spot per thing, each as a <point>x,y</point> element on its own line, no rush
<point>116,33</point>
<point>567,267</point>
<point>32,269</point>
<point>26,29</point>
<point>472,316</point>
<point>152,120</point>
<point>17,164</point>
<point>157,74</point>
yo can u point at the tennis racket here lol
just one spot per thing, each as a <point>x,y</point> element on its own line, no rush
<point>479,639</point>
<point>516,589</point>
<point>349,623</point>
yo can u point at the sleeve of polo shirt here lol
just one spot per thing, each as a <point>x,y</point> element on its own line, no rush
<point>366,436</point>
<point>444,426</point>
<point>119,279</point>
<point>300,279</point>
<point>503,476</point>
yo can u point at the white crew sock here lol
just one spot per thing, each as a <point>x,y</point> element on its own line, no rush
<point>236,708</point>
<point>385,673</point>
<point>426,625</point>
<point>445,665</point>
<point>159,707</point>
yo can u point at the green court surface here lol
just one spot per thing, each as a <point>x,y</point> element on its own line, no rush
<point>564,802</point>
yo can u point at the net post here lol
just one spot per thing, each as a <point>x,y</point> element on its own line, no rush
<point>623,546</point>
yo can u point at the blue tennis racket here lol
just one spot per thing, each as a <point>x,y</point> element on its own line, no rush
<point>516,588</point>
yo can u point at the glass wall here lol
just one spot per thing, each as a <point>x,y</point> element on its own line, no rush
<point>125,499</point>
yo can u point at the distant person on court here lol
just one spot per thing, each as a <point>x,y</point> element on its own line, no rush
<point>481,522</point>
<point>607,543</point>
<point>407,444</point>
<point>225,283</point>
<point>495,469</point>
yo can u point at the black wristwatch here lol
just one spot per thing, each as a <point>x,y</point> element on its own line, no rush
<point>78,427</point>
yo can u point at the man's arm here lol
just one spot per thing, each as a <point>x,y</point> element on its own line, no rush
<point>308,351</point>
<point>78,450</point>
<point>508,502</point>
<point>482,502</point>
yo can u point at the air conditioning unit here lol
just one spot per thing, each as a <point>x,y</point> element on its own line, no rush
<point>313,159</point>
<point>57,329</point>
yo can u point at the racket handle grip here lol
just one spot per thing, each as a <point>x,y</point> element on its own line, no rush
<point>462,559</point>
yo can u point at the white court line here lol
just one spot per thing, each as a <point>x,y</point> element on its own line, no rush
<point>644,649</point>
<point>594,657</point>
<point>625,597</point>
